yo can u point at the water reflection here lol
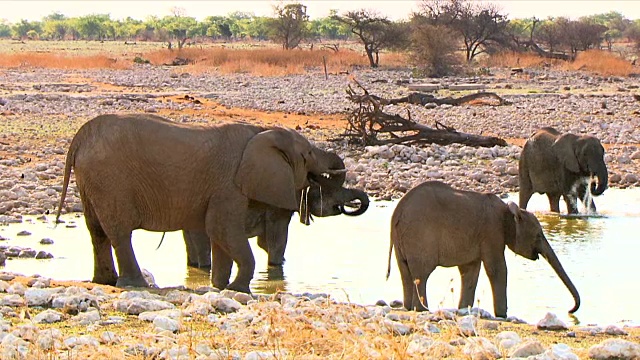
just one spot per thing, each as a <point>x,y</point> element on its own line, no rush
<point>571,228</point>
<point>347,259</point>
<point>270,281</point>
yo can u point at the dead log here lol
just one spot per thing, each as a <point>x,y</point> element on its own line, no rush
<point>370,125</point>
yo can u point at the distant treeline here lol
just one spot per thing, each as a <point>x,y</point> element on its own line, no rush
<point>439,26</point>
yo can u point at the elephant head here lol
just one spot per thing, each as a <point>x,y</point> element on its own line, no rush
<point>326,196</point>
<point>583,155</point>
<point>277,164</point>
<point>529,241</point>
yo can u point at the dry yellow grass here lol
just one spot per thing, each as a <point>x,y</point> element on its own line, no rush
<point>599,62</point>
<point>61,61</point>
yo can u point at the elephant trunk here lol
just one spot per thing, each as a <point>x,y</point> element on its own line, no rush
<point>547,252</point>
<point>361,205</point>
<point>603,178</point>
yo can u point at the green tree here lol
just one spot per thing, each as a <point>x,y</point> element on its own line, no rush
<point>92,27</point>
<point>328,27</point>
<point>289,27</point>
<point>479,25</point>
<point>5,29</point>
<point>178,28</point>
<point>25,29</point>
<point>374,31</point>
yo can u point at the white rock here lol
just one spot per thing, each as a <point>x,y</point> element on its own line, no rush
<point>557,352</point>
<point>151,315</point>
<point>526,349</point>
<point>479,348</point>
<point>396,327</point>
<point>551,322</point>
<point>48,317</point>
<point>226,305</point>
<point>614,330</point>
<point>615,349</point>
<point>419,344</point>
<point>13,300</point>
<point>137,306</point>
<point>89,317</point>
<point>109,338</point>
<point>508,339</point>
<point>265,355</point>
<point>166,323</point>
<point>37,297</point>
<point>17,288</point>
<point>468,325</point>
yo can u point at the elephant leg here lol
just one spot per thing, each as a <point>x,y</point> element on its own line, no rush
<point>408,286</point>
<point>415,282</point>
<point>276,234</point>
<point>221,267</point>
<point>225,225</point>
<point>496,269</point>
<point>192,256</point>
<point>554,202</point>
<point>525,190</point>
<point>128,268</point>
<point>469,278</point>
<point>571,202</point>
<point>104,271</point>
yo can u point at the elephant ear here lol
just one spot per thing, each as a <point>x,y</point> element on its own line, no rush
<point>268,169</point>
<point>564,148</point>
<point>515,210</point>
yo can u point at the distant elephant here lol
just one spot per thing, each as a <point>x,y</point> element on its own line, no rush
<point>562,165</point>
<point>271,224</point>
<point>436,225</point>
<point>141,171</point>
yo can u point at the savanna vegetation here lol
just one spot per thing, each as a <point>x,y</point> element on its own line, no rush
<point>444,37</point>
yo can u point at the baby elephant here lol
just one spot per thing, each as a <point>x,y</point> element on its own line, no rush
<point>436,225</point>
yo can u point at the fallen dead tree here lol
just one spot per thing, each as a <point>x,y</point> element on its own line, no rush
<point>370,125</point>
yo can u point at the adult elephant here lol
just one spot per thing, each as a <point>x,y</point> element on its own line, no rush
<point>562,165</point>
<point>426,232</point>
<point>324,197</point>
<point>141,171</point>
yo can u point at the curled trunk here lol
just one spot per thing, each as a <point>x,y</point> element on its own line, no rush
<point>360,202</point>
<point>547,252</point>
<point>603,178</point>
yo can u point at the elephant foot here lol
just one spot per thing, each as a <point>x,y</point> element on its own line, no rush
<point>239,288</point>
<point>131,282</point>
<point>105,279</point>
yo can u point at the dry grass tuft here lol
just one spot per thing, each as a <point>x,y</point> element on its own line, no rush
<point>61,61</point>
<point>515,59</point>
<point>603,63</point>
<point>600,62</point>
<point>264,62</point>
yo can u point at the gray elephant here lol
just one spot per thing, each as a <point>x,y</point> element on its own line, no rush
<point>142,171</point>
<point>436,225</point>
<point>562,165</point>
<point>271,224</point>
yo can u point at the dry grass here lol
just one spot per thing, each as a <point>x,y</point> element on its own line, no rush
<point>268,62</point>
<point>600,62</point>
<point>514,59</point>
<point>256,60</point>
<point>61,61</point>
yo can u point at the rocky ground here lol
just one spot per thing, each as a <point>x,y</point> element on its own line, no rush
<point>40,110</point>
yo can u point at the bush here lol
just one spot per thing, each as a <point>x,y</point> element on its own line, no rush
<point>433,51</point>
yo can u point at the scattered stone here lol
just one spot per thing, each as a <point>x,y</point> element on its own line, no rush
<point>615,349</point>
<point>551,322</point>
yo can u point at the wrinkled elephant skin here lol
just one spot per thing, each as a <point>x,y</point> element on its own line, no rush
<point>562,165</point>
<point>435,225</point>
<point>141,171</point>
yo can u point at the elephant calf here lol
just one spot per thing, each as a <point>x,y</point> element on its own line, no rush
<point>436,225</point>
<point>562,165</point>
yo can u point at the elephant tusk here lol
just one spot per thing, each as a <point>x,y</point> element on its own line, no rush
<point>336,171</point>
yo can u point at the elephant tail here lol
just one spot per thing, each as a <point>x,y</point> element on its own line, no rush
<point>390,251</point>
<point>67,177</point>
